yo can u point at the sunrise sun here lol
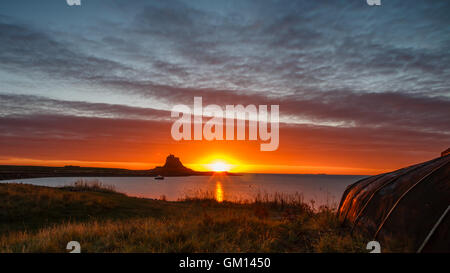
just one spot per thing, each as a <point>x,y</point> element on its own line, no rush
<point>219,166</point>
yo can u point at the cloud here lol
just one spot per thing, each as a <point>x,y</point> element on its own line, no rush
<point>27,50</point>
<point>389,109</point>
<point>350,66</point>
<point>376,110</point>
<point>263,47</point>
<point>59,137</point>
<point>24,105</point>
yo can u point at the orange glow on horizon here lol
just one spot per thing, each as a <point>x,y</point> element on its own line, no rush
<point>217,163</point>
<point>224,163</point>
<point>302,150</point>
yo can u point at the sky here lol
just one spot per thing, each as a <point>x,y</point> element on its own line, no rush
<point>361,89</point>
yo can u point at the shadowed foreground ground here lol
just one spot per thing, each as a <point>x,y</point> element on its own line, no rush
<point>43,219</point>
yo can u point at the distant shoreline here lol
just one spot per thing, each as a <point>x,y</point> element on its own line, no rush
<point>12,172</point>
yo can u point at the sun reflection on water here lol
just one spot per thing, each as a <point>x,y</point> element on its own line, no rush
<point>219,192</point>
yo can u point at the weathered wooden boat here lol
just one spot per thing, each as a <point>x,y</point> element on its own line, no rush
<point>407,210</point>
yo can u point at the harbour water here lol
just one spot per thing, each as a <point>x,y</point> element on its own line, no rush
<point>322,189</point>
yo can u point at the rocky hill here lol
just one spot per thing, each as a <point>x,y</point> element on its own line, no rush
<point>174,167</point>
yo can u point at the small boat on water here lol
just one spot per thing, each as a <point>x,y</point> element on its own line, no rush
<point>159,177</point>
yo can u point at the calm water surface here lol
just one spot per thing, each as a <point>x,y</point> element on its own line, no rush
<point>323,189</point>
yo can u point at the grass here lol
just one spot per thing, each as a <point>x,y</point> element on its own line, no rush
<point>90,186</point>
<point>28,207</point>
<point>42,219</point>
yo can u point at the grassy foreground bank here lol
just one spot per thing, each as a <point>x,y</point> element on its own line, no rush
<point>43,219</point>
